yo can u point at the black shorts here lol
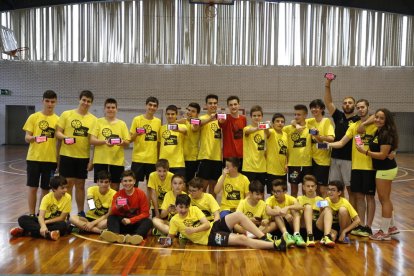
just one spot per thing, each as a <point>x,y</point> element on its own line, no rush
<point>115,171</point>
<point>270,178</point>
<point>179,171</point>
<point>262,177</point>
<point>70,167</point>
<point>321,173</point>
<point>219,234</point>
<point>363,181</point>
<point>142,170</point>
<point>336,227</point>
<point>191,169</point>
<point>209,169</point>
<point>42,171</point>
<point>296,174</point>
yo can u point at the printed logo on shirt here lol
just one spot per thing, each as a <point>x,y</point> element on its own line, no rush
<point>78,129</point>
<point>150,135</point>
<point>189,222</point>
<point>231,194</point>
<point>259,141</point>
<point>283,147</point>
<point>46,130</point>
<point>206,213</point>
<point>161,193</point>
<point>298,142</point>
<point>367,138</point>
<point>54,211</point>
<point>107,133</point>
<point>238,134</point>
<point>249,214</point>
<point>100,210</point>
<point>217,131</point>
<point>169,140</point>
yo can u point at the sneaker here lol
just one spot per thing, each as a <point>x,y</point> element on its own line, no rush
<point>133,239</point>
<point>368,230</point>
<point>310,241</point>
<point>82,214</point>
<point>380,236</point>
<point>267,237</point>
<point>299,240</point>
<point>288,239</point>
<point>156,232</point>
<point>361,231</point>
<point>16,232</point>
<point>112,237</point>
<point>326,240</point>
<point>393,230</point>
<point>53,235</point>
<point>280,245</point>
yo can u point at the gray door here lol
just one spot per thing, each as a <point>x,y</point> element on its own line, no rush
<point>16,116</point>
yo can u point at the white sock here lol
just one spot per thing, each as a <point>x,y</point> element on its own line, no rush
<point>392,220</point>
<point>385,224</point>
<point>296,233</point>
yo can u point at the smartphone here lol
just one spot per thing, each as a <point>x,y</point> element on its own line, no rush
<point>322,146</point>
<point>322,203</point>
<point>264,125</point>
<point>313,131</point>
<point>115,141</point>
<point>140,130</point>
<point>165,241</point>
<point>330,76</point>
<point>91,204</point>
<point>195,121</point>
<point>69,140</point>
<point>221,116</point>
<point>120,201</point>
<point>40,139</point>
<point>172,127</point>
<point>358,140</point>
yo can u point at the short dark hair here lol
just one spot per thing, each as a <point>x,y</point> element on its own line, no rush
<point>339,185</point>
<point>111,101</point>
<point>178,176</point>
<point>101,175</point>
<point>196,182</point>
<point>301,107</point>
<point>211,96</point>
<point>256,108</point>
<point>173,108</point>
<point>87,94</point>
<point>256,186</point>
<point>310,177</point>
<point>163,163</point>
<point>49,94</point>
<point>152,100</point>
<point>363,100</point>
<point>128,173</point>
<point>196,106</point>
<point>277,115</point>
<point>57,181</point>
<point>233,98</point>
<point>234,161</point>
<point>318,103</point>
<point>183,199</point>
<point>280,182</point>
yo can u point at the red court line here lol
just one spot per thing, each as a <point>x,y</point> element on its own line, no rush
<point>131,261</point>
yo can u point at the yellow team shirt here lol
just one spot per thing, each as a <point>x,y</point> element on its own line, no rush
<point>207,204</point>
<point>145,148</point>
<point>178,225</point>
<point>321,157</point>
<point>234,190</point>
<point>76,126</point>
<point>254,151</point>
<point>54,208</point>
<point>276,155</point>
<point>102,202</point>
<point>258,211</point>
<point>169,199</point>
<point>172,146</point>
<point>191,143</point>
<point>360,161</point>
<point>299,147</point>
<point>341,203</point>
<point>104,130</point>
<point>41,125</point>
<point>289,200</point>
<point>304,200</point>
<point>210,140</point>
<point>160,187</point>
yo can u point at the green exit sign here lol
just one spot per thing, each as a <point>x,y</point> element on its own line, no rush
<point>5,92</point>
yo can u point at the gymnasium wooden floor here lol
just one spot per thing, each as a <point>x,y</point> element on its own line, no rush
<point>88,255</point>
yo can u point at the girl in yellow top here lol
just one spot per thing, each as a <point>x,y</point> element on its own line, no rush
<point>109,136</point>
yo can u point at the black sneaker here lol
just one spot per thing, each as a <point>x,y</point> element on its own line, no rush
<point>280,245</point>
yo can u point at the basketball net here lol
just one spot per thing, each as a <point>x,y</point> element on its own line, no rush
<point>17,53</point>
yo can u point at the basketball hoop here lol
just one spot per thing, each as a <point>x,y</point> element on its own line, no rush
<point>17,52</point>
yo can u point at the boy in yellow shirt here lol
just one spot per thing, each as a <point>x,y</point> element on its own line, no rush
<point>284,208</point>
<point>159,184</point>
<point>204,201</point>
<point>161,224</point>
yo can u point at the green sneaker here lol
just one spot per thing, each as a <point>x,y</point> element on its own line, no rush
<point>299,240</point>
<point>326,240</point>
<point>360,231</point>
<point>288,239</point>
<point>310,241</point>
<point>267,237</point>
<point>156,232</point>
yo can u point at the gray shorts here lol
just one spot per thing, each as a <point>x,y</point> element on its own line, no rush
<point>340,170</point>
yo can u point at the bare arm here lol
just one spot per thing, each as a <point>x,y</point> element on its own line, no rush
<point>59,133</point>
<point>29,138</point>
<point>341,143</point>
<point>328,97</point>
<point>93,140</point>
<point>220,182</point>
<point>153,196</point>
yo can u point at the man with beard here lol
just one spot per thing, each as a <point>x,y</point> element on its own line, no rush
<point>341,158</point>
